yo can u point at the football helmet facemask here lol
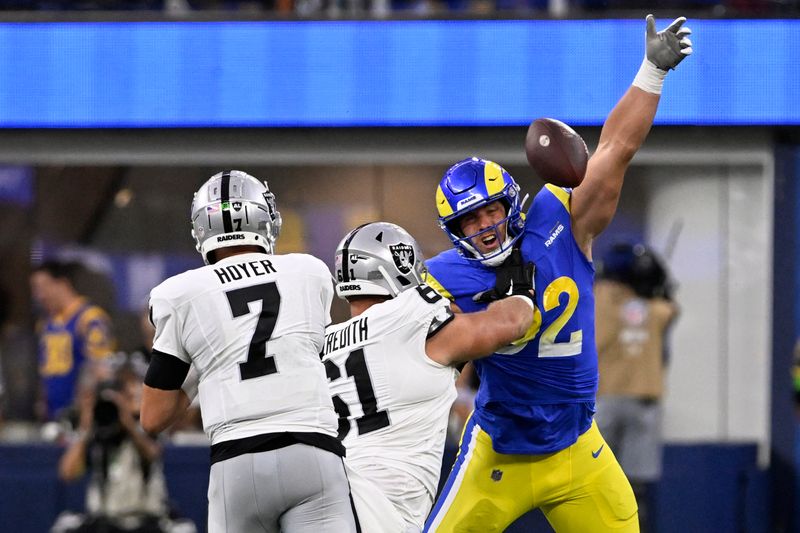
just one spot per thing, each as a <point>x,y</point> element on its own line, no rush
<point>473,183</point>
<point>233,208</point>
<point>378,259</point>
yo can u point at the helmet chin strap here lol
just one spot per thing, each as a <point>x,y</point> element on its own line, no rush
<point>495,260</point>
<point>492,260</point>
<point>392,287</point>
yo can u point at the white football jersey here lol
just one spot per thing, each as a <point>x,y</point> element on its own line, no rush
<point>253,326</point>
<point>392,400</point>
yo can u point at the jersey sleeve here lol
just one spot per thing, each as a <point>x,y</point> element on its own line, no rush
<point>428,308</point>
<point>326,285</point>
<point>94,327</point>
<point>562,194</point>
<point>326,294</point>
<point>167,337</point>
<point>441,317</point>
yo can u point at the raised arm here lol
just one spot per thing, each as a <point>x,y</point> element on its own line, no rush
<point>595,201</point>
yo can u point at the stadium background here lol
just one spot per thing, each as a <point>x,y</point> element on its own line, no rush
<point>108,127</point>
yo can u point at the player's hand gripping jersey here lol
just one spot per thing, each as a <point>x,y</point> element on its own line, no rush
<point>252,325</point>
<point>537,396</point>
<point>392,400</point>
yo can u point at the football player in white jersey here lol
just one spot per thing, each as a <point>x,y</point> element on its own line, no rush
<point>252,325</point>
<point>390,371</point>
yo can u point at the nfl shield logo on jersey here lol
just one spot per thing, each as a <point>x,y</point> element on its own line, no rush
<point>403,256</point>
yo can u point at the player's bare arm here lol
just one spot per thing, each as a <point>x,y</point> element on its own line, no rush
<point>163,399</point>
<point>472,335</point>
<point>161,408</point>
<point>595,201</point>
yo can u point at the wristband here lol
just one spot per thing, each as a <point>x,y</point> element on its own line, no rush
<point>527,299</point>
<point>650,78</point>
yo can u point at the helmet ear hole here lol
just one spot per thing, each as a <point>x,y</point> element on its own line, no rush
<point>454,227</point>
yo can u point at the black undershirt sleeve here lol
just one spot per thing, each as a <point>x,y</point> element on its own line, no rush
<point>166,372</point>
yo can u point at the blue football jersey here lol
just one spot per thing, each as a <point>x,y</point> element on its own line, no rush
<point>536,396</point>
<point>66,342</point>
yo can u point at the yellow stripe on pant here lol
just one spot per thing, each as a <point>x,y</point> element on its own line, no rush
<point>580,489</point>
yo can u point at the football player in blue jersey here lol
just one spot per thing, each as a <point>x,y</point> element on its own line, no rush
<point>531,441</point>
<point>74,339</point>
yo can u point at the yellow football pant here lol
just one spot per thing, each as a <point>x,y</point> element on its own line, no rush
<point>580,489</point>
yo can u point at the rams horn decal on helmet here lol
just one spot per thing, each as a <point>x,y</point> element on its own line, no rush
<point>468,185</point>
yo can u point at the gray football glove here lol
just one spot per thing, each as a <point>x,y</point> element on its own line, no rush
<point>668,47</point>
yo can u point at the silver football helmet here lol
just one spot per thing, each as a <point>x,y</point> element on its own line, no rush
<point>234,209</point>
<point>378,259</point>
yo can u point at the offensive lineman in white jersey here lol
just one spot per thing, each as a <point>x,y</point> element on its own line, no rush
<point>252,324</point>
<point>391,374</point>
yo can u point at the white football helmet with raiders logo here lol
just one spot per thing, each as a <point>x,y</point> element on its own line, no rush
<point>378,259</point>
<point>234,209</point>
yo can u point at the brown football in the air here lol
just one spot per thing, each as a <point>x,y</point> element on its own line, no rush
<point>556,153</point>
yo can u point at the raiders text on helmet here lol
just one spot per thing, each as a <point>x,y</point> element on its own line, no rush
<point>378,259</point>
<point>234,209</point>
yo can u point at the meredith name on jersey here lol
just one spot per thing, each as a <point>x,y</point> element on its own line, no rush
<point>354,332</point>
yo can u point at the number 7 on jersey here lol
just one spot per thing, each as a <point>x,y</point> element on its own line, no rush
<point>257,364</point>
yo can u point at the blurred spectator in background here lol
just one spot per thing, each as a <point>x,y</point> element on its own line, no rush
<point>191,420</point>
<point>2,396</point>
<point>796,377</point>
<point>74,337</point>
<point>146,333</point>
<point>80,5</point>
<point>127,491</point>
<point>4,311</point>
<point>422,8</point>
<point>634,311</point>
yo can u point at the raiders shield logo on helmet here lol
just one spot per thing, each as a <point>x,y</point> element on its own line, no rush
<point>403,256</point>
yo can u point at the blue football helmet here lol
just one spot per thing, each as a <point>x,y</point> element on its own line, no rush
<point>474,183</point>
